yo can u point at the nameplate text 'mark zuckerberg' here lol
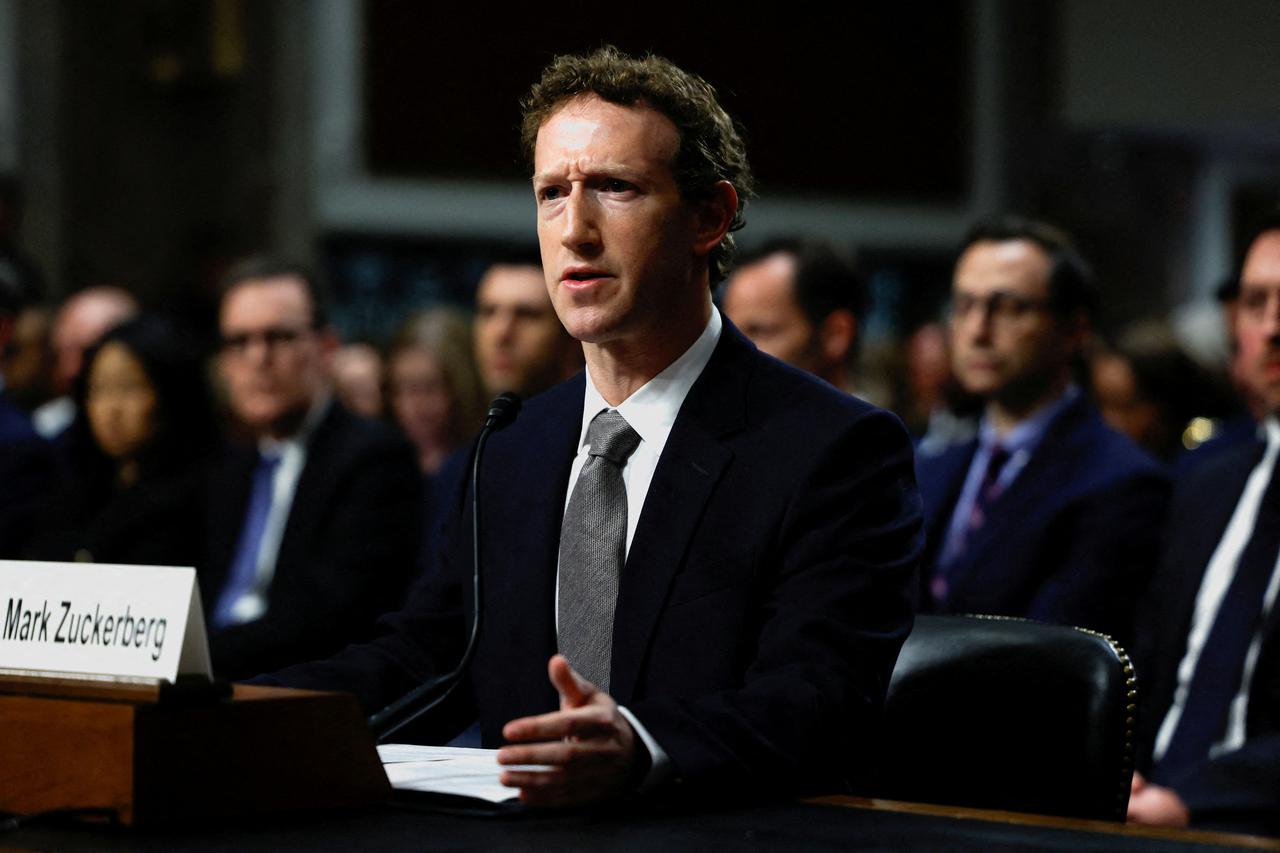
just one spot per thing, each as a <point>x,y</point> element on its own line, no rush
<point>101,620</point>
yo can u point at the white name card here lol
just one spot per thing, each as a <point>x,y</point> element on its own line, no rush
<point>103,620</point>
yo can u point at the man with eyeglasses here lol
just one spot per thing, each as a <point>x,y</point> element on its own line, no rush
<point>312,523</point>
<point>1048,513</point>
<point>1208,649</point>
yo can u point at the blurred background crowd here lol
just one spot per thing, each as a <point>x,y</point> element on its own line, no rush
<point>148,146</point>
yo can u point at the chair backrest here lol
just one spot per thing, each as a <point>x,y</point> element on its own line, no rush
<point>998,713</point>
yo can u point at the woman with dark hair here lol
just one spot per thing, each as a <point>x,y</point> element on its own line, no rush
<point>132,486</point>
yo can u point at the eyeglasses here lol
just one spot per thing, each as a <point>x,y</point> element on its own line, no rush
<point>1000,305</point>
<point>273,338</point>
<point>1256,301</point>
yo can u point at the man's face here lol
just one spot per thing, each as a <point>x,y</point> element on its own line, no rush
<point>1257,363</point>
<point>618,241</point>
<point>274,362</point>
<point>1006,344</point>
<point>519,342</point>
<point>760,299</point>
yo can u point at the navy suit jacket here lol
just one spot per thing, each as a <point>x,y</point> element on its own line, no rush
<point>766,593</point>
<point>347,551</point>
<point>1238,790</point>
<point>1074,538</point>
<point>28,471</point>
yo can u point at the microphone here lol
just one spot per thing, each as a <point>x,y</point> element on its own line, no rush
<point>502,413</point>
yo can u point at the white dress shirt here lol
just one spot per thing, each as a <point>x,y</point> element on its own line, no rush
<point>1213,587</point>
<point>651,411</point>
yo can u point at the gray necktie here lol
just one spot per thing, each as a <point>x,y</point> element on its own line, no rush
<point>593,547</point>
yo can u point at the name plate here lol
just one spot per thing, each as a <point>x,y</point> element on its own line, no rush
<point>102,620</point>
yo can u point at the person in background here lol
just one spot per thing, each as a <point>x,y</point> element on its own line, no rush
<point>801,301</point>
<point>136,453</point>
<point>1208,649</point>
<point>78,324</point>
<point>27,465</point>
<point>520,344</point>
<point>938,410</point>
<point>312,527</point>
<point>1148,388</point>
<point>1239,430</point>
<point>433,386</point>
<point>358,379</point>
<point>1048,513</point>
<point>29,358</point>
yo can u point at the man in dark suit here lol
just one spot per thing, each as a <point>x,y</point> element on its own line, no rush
<point>27,466</point>
<point>746,590</point>
<point>313,524</point>
<point>1048,513</point>
<point>1208,656</point>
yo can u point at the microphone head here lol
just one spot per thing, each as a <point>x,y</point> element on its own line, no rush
<point>503,410</point>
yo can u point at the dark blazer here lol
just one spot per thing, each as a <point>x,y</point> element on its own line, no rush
<point>765,596</point>
<point>347,551</point>
<point>156,521</point>
<point>28,472</point>
<point>1073,540</point>
<point>1241,789</point>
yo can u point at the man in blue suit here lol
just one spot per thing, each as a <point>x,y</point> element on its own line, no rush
<point>747,590</point>
<point>1208,656</point>
<point>1048,513</point>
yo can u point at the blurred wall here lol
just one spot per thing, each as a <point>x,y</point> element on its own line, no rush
<point>157,138</point>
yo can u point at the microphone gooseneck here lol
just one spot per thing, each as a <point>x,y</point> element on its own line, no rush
<point>426,696</point>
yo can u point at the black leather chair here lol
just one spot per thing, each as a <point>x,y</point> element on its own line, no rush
<point>998,713</point>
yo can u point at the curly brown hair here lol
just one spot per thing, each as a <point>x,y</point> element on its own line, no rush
<point>711,147</point>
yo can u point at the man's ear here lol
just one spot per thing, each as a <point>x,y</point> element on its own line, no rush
<point>713,216</point>
<point>1077,328</point>
<point>836,335</point>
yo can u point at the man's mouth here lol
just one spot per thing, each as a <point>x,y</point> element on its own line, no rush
<point>581,278</point>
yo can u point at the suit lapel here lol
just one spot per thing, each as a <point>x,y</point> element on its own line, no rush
<point>941,480</point>
<point>1035,492</point>
<point>313,492</point>
<point>1206,529</point>
<point>687,473</point>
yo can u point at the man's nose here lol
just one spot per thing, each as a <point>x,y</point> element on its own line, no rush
<point>1270,321</point>
<point>258,350</point>
<point>977,322</point>
<point>504,325</point>
<point>580,227</point>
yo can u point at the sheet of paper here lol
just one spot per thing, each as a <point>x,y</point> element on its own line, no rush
<point>456,770</point>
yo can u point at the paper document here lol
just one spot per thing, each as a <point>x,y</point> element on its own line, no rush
<point>461,771</point>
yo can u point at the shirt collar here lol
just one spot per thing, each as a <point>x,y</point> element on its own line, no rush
<point>651,410</point>
<point>1027,434</point>
<point>270,448</point>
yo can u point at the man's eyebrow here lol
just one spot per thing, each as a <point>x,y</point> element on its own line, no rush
<point>602,170</point>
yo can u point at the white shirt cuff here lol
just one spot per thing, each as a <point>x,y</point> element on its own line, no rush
<point>659,761</point>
